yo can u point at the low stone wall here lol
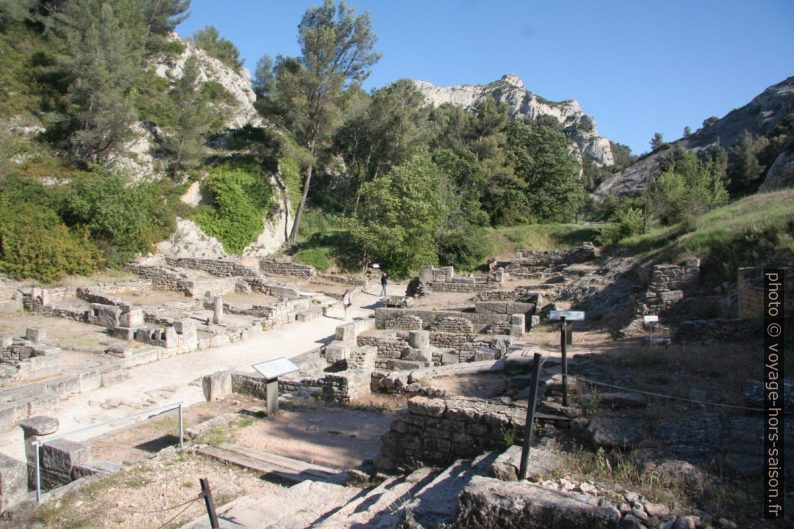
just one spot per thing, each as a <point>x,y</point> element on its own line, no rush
<point>669,283</point>
<point>406,322</point>
<point>479,320</point>
<point>452,324</point>
<point>461,285</point>
<point>344,280</point>
<point>217,267</point>
<point>750,282</point>
<point>388,348</point>
<point>436,432</point>
<point>28,359</point>
<point>162,277</point>
<point>556,257</point>
<point>271,266</point>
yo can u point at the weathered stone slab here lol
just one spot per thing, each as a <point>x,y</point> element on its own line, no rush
<point>217,385</point>
<point>13,482</point>
<point>542,461</point>
<point>488,503</point>
<point>58,458</point>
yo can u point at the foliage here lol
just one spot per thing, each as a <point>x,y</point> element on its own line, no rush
<point>399,215</point>
<point>687,189</point>
<point>627,222</point>
<point>34,242</point>
<point>389,132</point>
<point>123,219</point>
<point>547,173</point>
<point>192,119</point>
<point>657,141</point>
<point>101,54</point>
<point>289,169</point>
<point>318,257</point>
<point>309,93</point>
<point>744,170</point>
<point>209,40</point>
<point>241,197</point>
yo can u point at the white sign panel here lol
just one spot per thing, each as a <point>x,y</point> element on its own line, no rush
<point>275,368</point>
<point>569,315</point>
<point>651,318</point>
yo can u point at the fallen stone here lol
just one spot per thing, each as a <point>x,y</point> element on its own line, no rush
<point>542,461</point>
<point>630,522</point>
<point>620,432</point>
<point>656,509</point>
<point>685,522</point>
<point>488,503</point>
<point>39,425</point>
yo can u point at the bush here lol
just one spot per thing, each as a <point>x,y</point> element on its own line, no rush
<point>123,219</point>
<point>241,198</point>
<point>319,258</point>
<point>464,248</point>
<point>34,243</point>
<point>628,222</point>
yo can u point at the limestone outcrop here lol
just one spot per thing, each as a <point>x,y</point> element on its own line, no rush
<point>523,104</point>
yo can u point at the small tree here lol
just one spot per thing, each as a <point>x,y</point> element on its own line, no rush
<point>209,40</point>
<point>399,216</point>
<point>687,132</point>
<point>657,141</point>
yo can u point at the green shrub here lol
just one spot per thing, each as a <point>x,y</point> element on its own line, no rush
<point>627,223</point>
<point>123,219</point>
<point>465,248</point>
<point>34,243</point>
<point>241,197</point>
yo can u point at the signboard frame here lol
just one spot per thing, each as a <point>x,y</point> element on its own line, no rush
<point>272,369</point>
<point>569,315</point>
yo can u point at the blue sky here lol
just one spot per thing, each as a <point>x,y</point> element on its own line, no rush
<point>637,66</point>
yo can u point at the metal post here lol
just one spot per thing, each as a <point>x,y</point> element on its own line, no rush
<point>38,472</point>
<point>564,365</point>
<point>537,363</point>
<point>209,502</point>
<point>181,430</point>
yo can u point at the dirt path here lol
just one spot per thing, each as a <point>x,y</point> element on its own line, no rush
<point>179,378</point>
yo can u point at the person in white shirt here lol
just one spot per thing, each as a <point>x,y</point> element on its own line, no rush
<point>346,301</point>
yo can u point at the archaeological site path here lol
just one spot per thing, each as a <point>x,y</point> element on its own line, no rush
<point>179,378</point>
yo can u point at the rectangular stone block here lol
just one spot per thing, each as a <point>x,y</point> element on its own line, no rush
<point>58,458</point>
<point>217,385</point>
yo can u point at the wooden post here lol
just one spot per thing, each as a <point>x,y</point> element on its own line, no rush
<point>537,364</point>
<point>209,502</point>
<point>564,364</point>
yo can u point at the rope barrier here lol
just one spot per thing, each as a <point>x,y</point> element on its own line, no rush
<point>665,396</point>
<point>174,517</point>
<point>200,496</point>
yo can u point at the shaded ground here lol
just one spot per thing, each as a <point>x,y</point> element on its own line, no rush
<point>140,497</point>
<point>142,440</point>
<point>334,437</point>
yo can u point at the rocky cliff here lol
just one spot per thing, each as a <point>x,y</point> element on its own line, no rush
<point>522,103</point>
<point>759,117</point>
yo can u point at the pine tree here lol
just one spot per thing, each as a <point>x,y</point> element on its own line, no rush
<point>101,53</point>
<point>192,119</point>
<point>310,92</point>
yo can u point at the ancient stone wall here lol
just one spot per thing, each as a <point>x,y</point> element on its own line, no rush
<point>479,320</point>
<point>216,267</point>
<point>407,322</point>
<point>388,348</point>
<point>452,324</point>
<point>750,282</point>
<point>271,266</point>
<point>436,432</point>
<point>162,277</point>
<point>557,257</point>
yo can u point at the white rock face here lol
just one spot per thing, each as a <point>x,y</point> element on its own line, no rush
<point>522,103</point>
<point>135,158</point>
<point>189,241</point>
<point>238,83</point>
<point>192,196</point>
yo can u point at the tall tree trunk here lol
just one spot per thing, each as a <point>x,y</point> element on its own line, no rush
<point>293,236</point>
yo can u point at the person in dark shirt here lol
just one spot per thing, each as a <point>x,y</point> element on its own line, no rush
<point>383,283</point>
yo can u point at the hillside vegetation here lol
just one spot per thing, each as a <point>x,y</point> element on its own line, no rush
<point>108,118</point>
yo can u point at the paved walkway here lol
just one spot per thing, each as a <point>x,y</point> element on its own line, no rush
<point>179,378</point>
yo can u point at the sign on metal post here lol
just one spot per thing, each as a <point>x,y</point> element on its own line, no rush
<point>569,315</point>
<point>272,369</point>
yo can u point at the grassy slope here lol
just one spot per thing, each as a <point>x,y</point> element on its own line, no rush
<point>722,232</point>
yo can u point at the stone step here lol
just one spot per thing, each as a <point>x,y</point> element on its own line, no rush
<point>381,507</point>
<point>297,507</point>
<point>292,470</point>
<point>435,504</point>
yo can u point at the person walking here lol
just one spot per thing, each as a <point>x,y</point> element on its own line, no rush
<point>383,283</point>
<point>346,301</point>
